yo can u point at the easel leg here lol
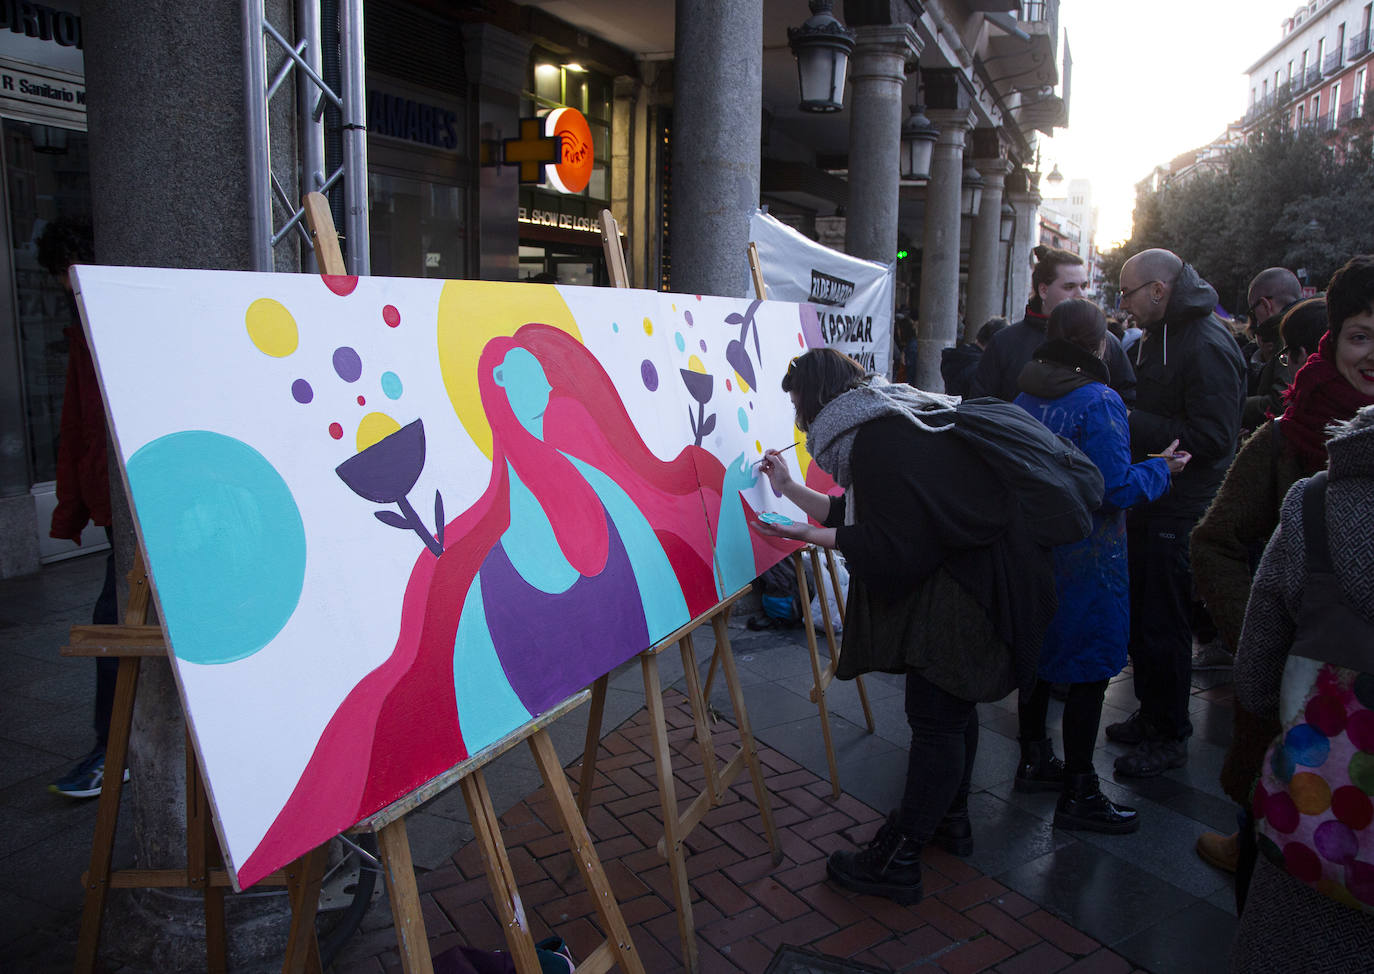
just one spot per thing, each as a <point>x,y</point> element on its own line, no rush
<point>584,854</point>
<point>399,873</point>
<point>303,878</point>
<point>202,851</point>
<point>834,648</point>
<point>700,716</point>
<point>107,815</point>
<point>594,716</point>
<point>667,799</point>
<point>720,623</point>
<point>509,909</point>
<point>817,674</point>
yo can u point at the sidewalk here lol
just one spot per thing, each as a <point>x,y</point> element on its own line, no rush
<point>1030,899</point>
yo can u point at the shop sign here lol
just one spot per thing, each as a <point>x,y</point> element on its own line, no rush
<point>41,95</point>
<point>47,34</point>
<point>414,121</point>
<point>570,127</point>
<point>559,221</point>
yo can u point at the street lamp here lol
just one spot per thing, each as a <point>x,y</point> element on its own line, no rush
<point>1008,223</point>
<point>918,143</point>
<point>822,47</point>
<point>971,194</point>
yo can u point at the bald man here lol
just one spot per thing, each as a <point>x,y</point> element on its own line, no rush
<point>1190,387</point>
<point>1273,291</point>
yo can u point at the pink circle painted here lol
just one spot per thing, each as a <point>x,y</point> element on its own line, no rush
<point>1281,812</point>
<point>340,284</point>
<point>1360,729</point>
<point>1302,863</point>
<point>391,315</point>
<point>336,431</point>
<point>1352,806</point>
<point>1326,712</point>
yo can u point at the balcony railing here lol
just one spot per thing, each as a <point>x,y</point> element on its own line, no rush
<point>1314,76</point>
<point>1333,62</point>
<point>1326,122</point>
<point>1358,45</point>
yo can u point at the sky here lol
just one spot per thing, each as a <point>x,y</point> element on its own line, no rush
<point>1150,81</point>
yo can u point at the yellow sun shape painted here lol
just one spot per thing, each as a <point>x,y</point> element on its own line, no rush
<point>373,428</point>
<point>271,328</point>
<point>472,313</point>
<point>694,365</point>
<point>803,457</point>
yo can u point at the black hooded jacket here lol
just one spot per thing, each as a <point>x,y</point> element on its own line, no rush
<point>1012,347</point>
<point>1190,387</point>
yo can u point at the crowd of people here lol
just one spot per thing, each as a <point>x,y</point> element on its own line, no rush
<point>1237,483</point>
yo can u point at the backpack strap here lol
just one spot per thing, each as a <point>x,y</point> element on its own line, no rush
<point>1314,525</point>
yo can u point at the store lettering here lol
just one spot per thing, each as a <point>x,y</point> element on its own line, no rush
<point>561,221</point>
<point>41,90</point>
<point>42,22</point>
<point>402,118</point>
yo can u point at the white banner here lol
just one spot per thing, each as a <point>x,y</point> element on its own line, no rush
<point>852,296</point>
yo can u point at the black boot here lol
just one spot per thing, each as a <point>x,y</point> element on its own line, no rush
<point>955,832</point>
<point>1082,806</point>
<point>890,866</point>
<point>1039,769</point>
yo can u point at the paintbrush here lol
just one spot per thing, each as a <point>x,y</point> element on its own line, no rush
<point>783,450</point>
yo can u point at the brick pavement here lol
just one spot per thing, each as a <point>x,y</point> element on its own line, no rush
<point>745,907</point>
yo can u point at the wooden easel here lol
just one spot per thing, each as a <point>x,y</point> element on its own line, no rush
<point>821,675</point>
<point>676,827</point>
<point>134,640</point>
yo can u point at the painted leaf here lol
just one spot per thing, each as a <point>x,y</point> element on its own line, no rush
<point>439,518</point>
<point>738,357</point>
<point>734,318</point>
<point>708,424</point>
<point>393,519</point>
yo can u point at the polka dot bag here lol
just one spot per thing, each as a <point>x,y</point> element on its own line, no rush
<point>1314,801</point>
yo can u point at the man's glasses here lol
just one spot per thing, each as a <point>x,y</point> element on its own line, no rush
<point>1256,303</point>
<point>1127,294</point>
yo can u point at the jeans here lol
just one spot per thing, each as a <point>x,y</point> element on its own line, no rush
<point>944,740</point>
<point>1161,643</point>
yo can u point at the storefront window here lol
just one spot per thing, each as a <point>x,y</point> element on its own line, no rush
<point>418,227</point>
<point>47,171</point>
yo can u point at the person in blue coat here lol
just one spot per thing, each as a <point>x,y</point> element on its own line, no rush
<point>1065,387</point>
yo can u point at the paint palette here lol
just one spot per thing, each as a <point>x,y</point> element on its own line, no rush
<point>773,517</point>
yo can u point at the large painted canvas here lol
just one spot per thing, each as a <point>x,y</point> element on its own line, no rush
<point>389,521</point>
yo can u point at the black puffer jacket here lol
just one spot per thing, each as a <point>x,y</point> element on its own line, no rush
<point>1011,348</point>
<point>1190,386</point>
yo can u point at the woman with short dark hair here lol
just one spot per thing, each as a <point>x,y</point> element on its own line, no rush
<point>946,587</point>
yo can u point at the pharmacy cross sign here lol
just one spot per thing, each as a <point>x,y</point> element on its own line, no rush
<point>533,150</point>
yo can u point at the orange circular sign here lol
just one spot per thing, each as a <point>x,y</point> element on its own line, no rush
<point>570,128</point>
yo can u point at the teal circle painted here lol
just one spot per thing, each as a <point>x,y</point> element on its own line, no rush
<point>681,342</point>
<point>743,420</point>
<point>225,541</point>
<point>391,385</point>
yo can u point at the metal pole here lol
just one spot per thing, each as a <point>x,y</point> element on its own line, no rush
<point>307,95</point>
<point>259,158</point>
<point>355,137</point>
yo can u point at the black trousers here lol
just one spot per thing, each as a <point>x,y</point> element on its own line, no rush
<point>1082,714</point>
<point>944,741</point>
<point>1161,644</point>
<point>106,670</point>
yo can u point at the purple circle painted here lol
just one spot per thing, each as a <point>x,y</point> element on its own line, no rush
<point>347,364</point>
<point>301,391</point>
<point>649,374</point>
<point>703,344</point>
<point>688,316</point>
<point>1336,842</point>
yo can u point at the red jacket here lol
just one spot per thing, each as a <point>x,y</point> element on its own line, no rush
<point>83,484</point>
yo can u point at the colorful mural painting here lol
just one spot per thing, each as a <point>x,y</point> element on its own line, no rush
<point>389,521</point>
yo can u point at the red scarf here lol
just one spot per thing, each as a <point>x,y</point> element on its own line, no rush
<point>1318,396</point>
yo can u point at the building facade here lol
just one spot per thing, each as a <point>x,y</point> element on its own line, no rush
<point>450,84</point>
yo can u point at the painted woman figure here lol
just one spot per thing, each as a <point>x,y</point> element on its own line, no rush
<point>584,549</point>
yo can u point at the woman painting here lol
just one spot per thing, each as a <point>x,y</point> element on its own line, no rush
<point>1064,387</point>
<point>584,549</point>
<point>946,587</point>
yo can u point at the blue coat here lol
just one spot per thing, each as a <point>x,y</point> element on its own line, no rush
<point>1086,641</point>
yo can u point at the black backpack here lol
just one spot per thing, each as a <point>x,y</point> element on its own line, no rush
<point>1055,483</point>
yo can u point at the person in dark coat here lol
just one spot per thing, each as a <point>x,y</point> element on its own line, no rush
<point>958,364</point>
<point>1064,387</point>
<point>1058,275</point>
<point>946,587</point>
<point>1191,385</point>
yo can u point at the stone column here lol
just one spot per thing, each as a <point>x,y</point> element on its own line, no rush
<point>1026,199</point>
<point>717,128</point>
<point>169,188</point>
<point>948,106</point>
<point>877,71</point>
<point>985,274</point>
<point>496,61</point>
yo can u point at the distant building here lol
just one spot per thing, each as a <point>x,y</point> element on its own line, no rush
<point>1316,76</point>
<point>1070,223</point>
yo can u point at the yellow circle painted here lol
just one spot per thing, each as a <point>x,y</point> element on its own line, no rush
<point>373,428</point>
<point>271,328</point>
<point>472,313</point>
<point>648,327</point>
<point>694,365</point>
<point>1310,793</point>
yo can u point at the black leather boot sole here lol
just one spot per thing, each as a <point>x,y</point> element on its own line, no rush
<point>1108,824</point>
<point>954,835</point>
<point>845,872</point>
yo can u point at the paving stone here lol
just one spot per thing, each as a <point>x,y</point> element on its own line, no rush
<point>1043,958</point>
<point>976,955</point>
